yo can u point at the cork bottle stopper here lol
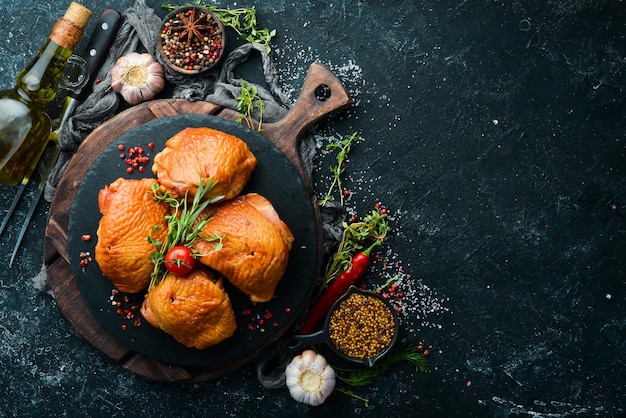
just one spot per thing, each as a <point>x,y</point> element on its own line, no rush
<point>78,15</point>
<point>69,29</point>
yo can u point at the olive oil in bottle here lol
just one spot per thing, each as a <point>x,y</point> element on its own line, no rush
<point>24,123</point>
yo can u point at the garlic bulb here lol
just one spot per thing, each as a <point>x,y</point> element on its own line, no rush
<point>309,378</point>
<point>137,77</point>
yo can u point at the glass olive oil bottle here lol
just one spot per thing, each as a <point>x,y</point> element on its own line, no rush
<point>24,123</point>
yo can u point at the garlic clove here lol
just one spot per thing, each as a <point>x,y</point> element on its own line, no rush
<point>309,378</point>
<point>137,77</point>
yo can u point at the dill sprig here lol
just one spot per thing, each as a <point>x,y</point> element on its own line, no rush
<point>363,377</point>
<point>184,225</point>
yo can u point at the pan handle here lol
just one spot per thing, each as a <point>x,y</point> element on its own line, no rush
<point>296,342</point>
<point>322,93</point>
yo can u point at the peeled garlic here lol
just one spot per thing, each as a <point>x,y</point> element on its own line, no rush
<point>309,378</point>
<point>137,77</point>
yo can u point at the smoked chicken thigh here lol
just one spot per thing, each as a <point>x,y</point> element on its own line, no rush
<point>205,153</point>
<point>129,214</point>
<point>256,245</point>
<point>193,308</point>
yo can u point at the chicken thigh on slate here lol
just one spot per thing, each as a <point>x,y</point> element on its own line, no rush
<point>255,245</point>
<point>193,308</point>
<point>129,215</point>
<point>204,153</point>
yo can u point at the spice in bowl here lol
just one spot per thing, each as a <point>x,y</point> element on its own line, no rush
<point>192,40</point>
<point>362,326</point>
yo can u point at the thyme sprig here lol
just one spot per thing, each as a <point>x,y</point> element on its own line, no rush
<point>184,225</point>
<point>242,20</point>
<point>344,145</point>
<point>374,226</point>
<point>362,377</point>
<point>249,102</point>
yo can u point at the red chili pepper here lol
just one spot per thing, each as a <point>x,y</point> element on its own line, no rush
<point>358,266</point>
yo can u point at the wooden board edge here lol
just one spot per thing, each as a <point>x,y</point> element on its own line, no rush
<point>71,304</point>
<point>57,258</point>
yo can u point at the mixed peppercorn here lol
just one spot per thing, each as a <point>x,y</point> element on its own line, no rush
<point>127,308</point>
<point>135,157</point>
<point>259,318</point>
<point>192,40</point>
<point>85,256</point>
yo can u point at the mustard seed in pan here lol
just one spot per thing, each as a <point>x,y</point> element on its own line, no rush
<point>361,326</point>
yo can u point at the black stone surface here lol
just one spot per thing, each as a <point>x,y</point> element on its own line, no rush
<point>494,135</point>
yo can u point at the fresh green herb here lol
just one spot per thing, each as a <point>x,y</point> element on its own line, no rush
<point>363,377</point>
<point>374,226</point>
<point>184,225</point>
<point>366,402</point>
<point>344,147</point>
<point>388,283</point>
<point>242,20</point>
<point>248,104</point>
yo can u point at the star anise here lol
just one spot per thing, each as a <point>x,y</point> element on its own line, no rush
<point>191,26</point>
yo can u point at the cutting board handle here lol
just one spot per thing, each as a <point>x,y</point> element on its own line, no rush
<point>322,93</point>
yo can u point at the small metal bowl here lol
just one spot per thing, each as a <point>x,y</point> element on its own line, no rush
<point>182,49</point>
<point>297,342</point>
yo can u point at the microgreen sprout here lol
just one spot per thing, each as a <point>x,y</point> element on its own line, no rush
<point>248,104</point>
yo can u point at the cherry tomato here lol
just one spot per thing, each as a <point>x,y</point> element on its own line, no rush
<point>179,260</point>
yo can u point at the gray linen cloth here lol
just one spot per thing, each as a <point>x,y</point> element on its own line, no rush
<point>140,29</point>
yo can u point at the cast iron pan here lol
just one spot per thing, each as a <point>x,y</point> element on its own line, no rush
<point>297,342</point>
<point>83,294</point>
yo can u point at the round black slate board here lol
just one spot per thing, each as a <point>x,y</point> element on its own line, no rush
<point>274,177</point>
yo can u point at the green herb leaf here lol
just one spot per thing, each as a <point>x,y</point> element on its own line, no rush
<point>184,225</point>
<point>374,226</point>
<point>344,147</point>
<point>364,377</point>
<point>366,402</point>
<point>242,20</point>
<point>249,103</point>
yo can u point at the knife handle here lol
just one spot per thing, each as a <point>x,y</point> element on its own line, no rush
<point>97,48</point>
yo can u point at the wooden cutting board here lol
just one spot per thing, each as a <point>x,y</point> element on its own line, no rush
<point>322,93</point>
